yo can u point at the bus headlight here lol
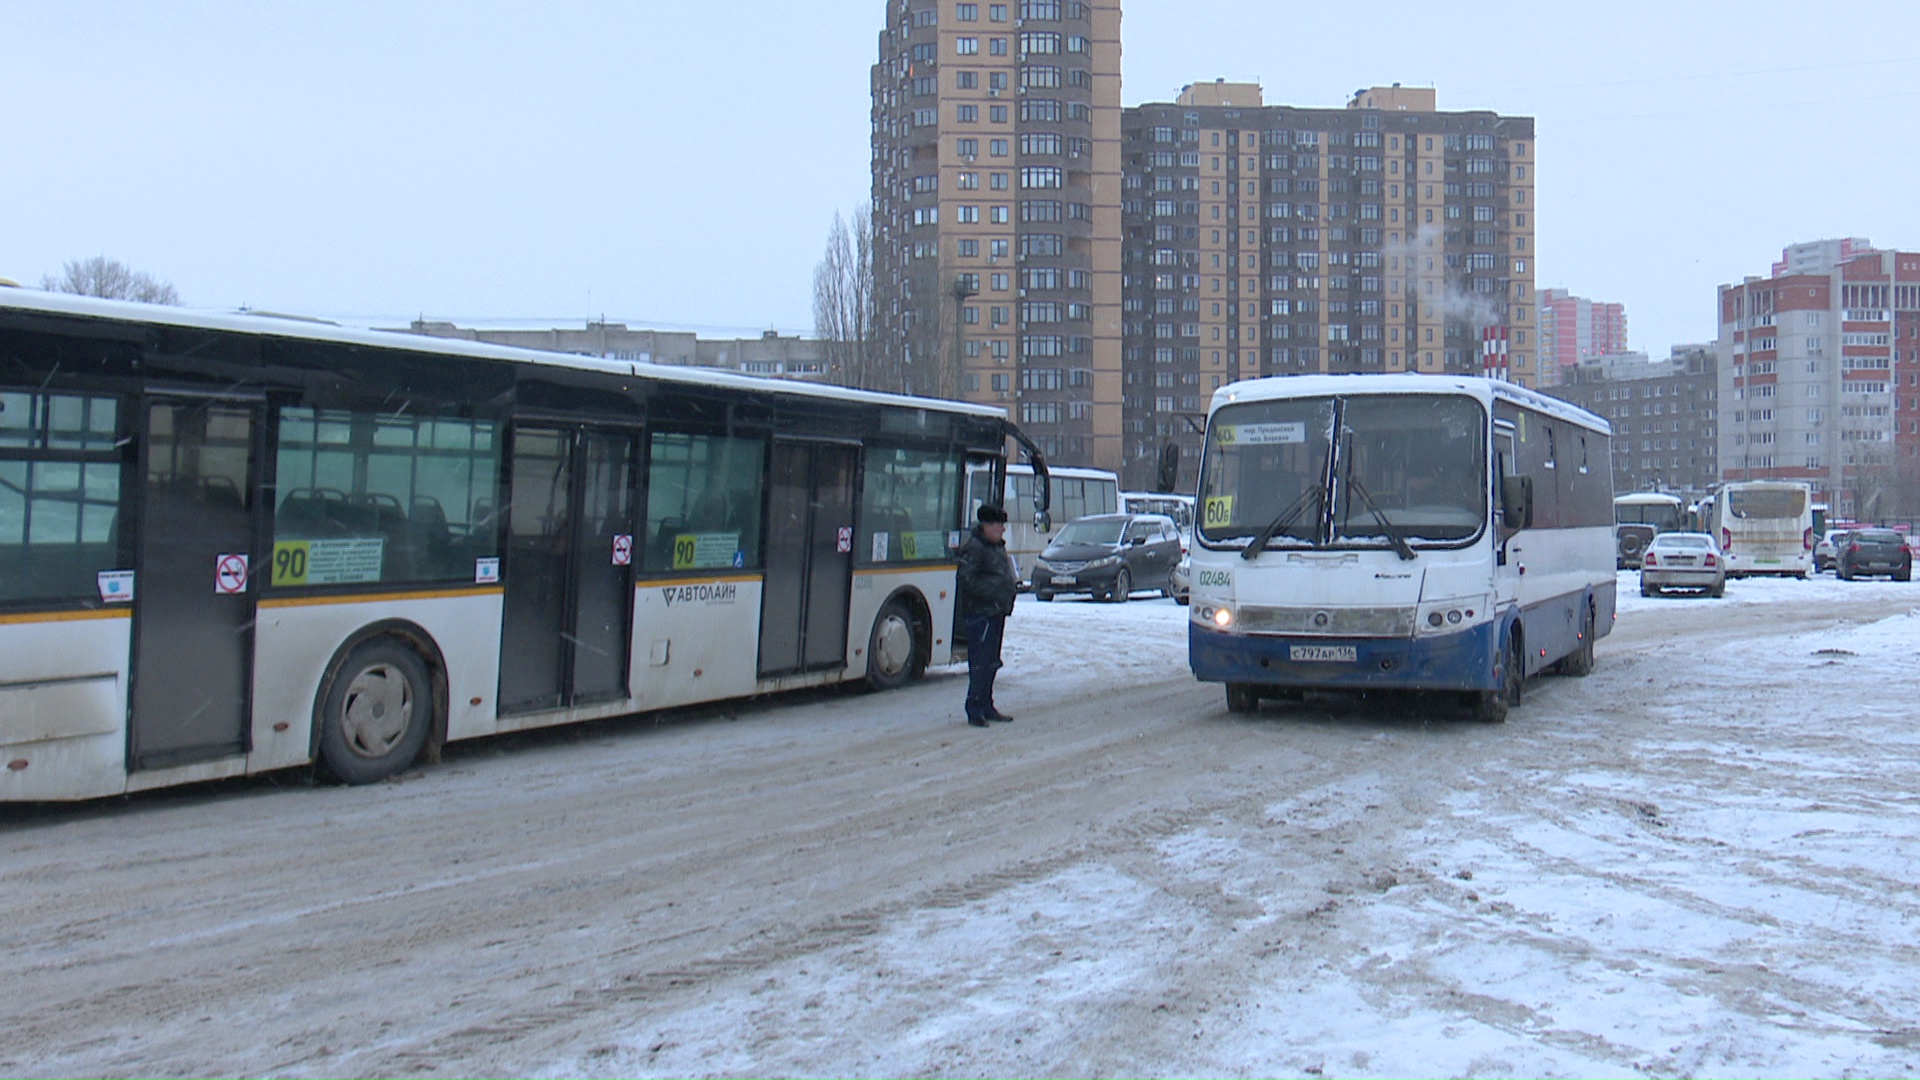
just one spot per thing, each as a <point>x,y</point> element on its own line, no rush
<point>1448,616</point>
<point>1220,617</point>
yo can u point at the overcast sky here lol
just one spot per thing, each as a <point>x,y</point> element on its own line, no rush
<point>678,165</point>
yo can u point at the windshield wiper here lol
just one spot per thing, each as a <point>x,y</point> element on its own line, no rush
<point>1400,545</point>
<point>1259,543</point>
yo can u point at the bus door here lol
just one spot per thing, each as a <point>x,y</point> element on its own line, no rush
<point>1508,553</point>
<point>810,505</point>
<point>986,480</point>
<point>194,594</point>
<point>567,568</point>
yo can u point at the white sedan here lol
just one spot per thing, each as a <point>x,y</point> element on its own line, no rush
<point>1683,561</point>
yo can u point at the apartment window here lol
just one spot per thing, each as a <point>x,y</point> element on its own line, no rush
<point>969,249</point>
<point>999,214</point>
<point>997,147</point>
<point>968,215</point>
<point>967,148</point>
<point>997,181</point>
<point>967,114</point>
<point>997,113</point>
<point>966,12</point>
<point>966,46</point>
<point>997,13</point>
<point>969,181</point>
<point>997,46</point>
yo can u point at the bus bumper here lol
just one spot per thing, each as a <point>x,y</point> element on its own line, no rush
<point>1460,661</point>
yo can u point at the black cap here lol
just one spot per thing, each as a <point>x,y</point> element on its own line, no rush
<point>990,513</point>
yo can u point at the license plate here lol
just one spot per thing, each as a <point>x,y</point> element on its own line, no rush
<point>1322,653</point>
<point>1065,579</point>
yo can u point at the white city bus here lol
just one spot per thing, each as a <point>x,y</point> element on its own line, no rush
<point>1764,526</point>
<point>1399,532</point>
<point>1075,492</point>
<point>231,544</point>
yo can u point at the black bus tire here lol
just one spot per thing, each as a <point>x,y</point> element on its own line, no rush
<point>1579,663</point>
<point>1242,698</point>
<point>894,649</point>
<point>377,714</point>
<point>1492,706</point>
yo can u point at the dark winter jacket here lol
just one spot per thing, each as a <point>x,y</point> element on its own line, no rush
<point>986,582</point>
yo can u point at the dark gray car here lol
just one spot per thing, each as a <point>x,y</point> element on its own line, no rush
<point>1874,551</point>
<point>1109,556</point>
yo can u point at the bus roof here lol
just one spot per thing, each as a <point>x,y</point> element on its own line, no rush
<point>299,328</point>
<point>1647,498</point>
<point>1484,390</point>
<point>1071,472</point>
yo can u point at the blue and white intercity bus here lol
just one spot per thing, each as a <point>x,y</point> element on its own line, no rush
<point>1405,532</point>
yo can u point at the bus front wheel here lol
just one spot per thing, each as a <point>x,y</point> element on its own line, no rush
<point>1242,698</point>
<point>1492,706</point>
<point>377,713</point>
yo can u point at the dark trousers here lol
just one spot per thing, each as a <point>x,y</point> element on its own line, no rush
<point>984,633</point>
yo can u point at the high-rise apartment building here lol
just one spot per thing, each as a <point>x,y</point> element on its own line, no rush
<point>1665,415</point>
<point>1573,328</point>
<point>1820,376</point>
<point>996,211</point>
<point>1270,239</point>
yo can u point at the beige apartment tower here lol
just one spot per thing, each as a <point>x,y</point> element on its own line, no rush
<point>996,212</point>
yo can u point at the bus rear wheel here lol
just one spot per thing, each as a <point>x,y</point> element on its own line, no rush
<point>893,649</point>
<point>1579,663</point>
<point>377,713</point>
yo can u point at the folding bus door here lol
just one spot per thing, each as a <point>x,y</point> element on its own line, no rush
<point>810,506</point>
<point>194,594</point>
<point>567,568</point>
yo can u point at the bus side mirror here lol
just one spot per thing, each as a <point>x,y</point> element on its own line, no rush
<point>1042,521</point>
<point>1042,499</point>
<point>1516,502</point>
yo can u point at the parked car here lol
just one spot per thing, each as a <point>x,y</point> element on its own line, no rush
<point>1180,581</point>
<point>1824,550</point>
<point>1683,561</point>
<point>1109,556</point>
<point>1869,552</point>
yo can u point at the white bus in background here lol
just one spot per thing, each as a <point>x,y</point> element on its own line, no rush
<point>1169,504</point>
<point>1075,493</point>
<point>1412,532</point>
<point>1764,527</point>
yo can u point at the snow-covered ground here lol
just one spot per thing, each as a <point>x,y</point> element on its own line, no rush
<point>1700,860</point>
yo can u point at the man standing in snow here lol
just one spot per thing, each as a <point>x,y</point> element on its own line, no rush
<point>986,588</point>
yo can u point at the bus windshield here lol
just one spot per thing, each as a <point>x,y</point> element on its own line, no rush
<point>1410,467</point>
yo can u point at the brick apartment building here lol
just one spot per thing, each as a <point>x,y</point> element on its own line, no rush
<point>1573,328</point>
<point>1820,376</point>
<point>1664,415</point>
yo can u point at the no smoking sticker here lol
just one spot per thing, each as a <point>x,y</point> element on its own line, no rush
<point>843,543</point>
<point>229,574</point>
<point>623,549</point>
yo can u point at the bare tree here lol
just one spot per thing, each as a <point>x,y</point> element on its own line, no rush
<point>110,279</point>
<point>843,305</point>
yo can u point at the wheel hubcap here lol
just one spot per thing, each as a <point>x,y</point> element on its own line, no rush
<point>893,645</point>
<point>379,705</point>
